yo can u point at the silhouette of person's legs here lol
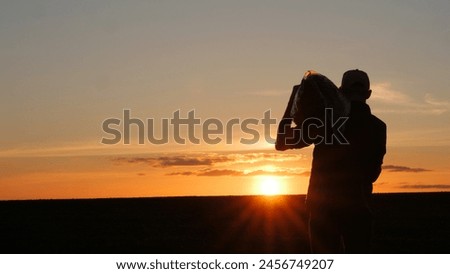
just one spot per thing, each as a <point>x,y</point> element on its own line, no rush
<point>357,232</point>
<point>324,232</point>
<point>346,230</point>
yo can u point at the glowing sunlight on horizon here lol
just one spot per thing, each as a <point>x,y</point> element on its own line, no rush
<point>269,186</point>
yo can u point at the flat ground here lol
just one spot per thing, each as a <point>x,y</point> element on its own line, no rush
<point>404,223</point>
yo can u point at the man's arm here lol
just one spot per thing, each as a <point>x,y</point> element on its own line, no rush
<point>287,136</point>
<point>379,151</point>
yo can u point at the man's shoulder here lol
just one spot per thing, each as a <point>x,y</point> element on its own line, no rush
<point>377,120</point>
<point>378,123</point>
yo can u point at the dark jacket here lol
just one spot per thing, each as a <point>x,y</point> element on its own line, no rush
<point>342,174</point>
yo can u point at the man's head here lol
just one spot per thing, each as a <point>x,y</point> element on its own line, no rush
<point>355,85</point>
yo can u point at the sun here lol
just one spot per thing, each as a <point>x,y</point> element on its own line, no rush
<point>269,185</point>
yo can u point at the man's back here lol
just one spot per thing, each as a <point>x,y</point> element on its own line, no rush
<point>342,174</point>
<point>341,185</point>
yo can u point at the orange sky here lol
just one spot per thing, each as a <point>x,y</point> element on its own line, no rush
<point>200,173</point>
<point>66,67</point>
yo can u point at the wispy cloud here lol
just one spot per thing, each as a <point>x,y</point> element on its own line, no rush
<point>257,157</point>
<point>425,186</point>
<point>210,159</point>
<point>222,164</point>
<point>189,161</point>
<point>232,172</point>
<point>383,92</point>
<point>393,168</point>
<point>439,106</point>
<point>394,101</point>
<point>177,160</point>
<point>220,172</point>
<point>134,160</point>
<point>278,173</point>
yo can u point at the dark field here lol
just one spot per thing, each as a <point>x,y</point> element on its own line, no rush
<point>404,223</point>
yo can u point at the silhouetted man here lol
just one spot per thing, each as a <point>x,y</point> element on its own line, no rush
<point>342,175</point>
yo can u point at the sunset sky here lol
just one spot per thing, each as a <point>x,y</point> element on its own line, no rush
<point>67,66</point>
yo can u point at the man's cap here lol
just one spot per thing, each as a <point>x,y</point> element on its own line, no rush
<point>355,76</point>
